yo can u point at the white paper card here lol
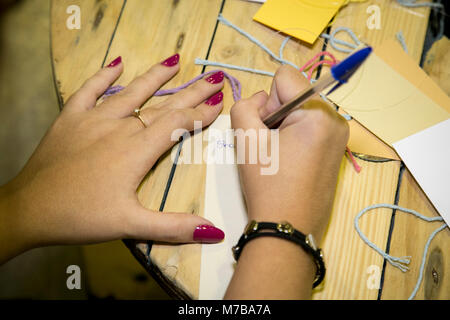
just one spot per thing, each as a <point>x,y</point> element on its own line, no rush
<point>224,206</point>
<point>427,156</point>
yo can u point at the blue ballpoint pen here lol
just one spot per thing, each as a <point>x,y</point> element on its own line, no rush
<point>340,73</point>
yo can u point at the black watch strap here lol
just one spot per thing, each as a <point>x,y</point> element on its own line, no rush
<point>283,230</point>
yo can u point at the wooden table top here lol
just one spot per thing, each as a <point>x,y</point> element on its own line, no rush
<point>144,32</point>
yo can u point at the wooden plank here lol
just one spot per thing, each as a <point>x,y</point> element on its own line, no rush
<point>413,23</point>
<point>408,239</point>
<point>437,63</point>
<point>88,47</point>
<point>189,34</point>
<point>232,48</point>
<point>183,263</point>
<point>153,30</point>
<point>150,31</point>
<point>112,273</point>
<point>393,18</point>
<point>349,261</point>
<point>84,47</point>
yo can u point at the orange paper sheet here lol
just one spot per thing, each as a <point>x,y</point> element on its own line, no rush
<point>361,139</point>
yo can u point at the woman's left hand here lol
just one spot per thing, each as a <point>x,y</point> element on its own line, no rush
<point>80,184</point>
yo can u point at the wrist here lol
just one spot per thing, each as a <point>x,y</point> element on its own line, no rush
<point>291,268</point>
<point>285,231</point>
<point>304,219</point>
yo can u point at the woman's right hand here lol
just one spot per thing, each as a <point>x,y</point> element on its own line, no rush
<point>312,143</point>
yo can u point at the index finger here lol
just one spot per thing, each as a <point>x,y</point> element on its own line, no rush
<point>287,83</point>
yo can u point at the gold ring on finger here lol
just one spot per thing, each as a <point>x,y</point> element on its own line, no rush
<point>137,114</point>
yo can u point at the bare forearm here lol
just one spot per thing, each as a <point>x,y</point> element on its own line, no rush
<point>272,268</point>
<point>11,244</point>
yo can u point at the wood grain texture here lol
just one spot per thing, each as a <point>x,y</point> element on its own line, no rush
<point>156,30</point>
<point>413,23</point>
<point>77,54</point>
<point>437,63</point>
<point>348,259</point>
<point>230,47</point>
<point>408,239</point>
<point>152,30</point>
<point>183,263</point>
<point>393,18</point>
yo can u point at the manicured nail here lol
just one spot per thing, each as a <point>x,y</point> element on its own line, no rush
<point>172,61</point>
<point>115,62</point>
<point>208,234</point>
<point>215,78</point>
<point>215,99</point>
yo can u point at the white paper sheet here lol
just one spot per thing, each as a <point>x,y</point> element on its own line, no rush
<point>427,156</point>
<point>225,207</point>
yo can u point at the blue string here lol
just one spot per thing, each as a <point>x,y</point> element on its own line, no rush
<point>255,41</point>
<point>280,58</point>
<point>283,44</point>
<point>231,66</point>
<point>400,262</point>
<point>334,41</point>
<point>401,39</point>
<point>413,4</point>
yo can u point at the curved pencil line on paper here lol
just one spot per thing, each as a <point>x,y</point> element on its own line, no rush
<point>365,109</point>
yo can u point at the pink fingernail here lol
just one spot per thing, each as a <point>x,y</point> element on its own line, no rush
<point>215,78</point>
<point>215,99</point>
<point>115,62</point>
<point>172,61</point>
<point>208,234</point>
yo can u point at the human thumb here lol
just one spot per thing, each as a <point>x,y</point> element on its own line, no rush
<point>174,227</point>
<point>245,113</point>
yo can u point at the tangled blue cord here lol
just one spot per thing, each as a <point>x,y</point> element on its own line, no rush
<point>400,262</point>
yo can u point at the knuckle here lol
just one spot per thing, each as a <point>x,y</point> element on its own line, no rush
<point>178,117</point>
<point>326,123</point>
<point>237,108</point>
<point>148,78</point>
<point>283,69</point>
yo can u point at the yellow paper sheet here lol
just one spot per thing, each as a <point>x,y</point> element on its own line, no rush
<point>362,140</point>
<point>393,54</point>
<point>400,104</point>
<point>386,103</point>
<point>302,19</point>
